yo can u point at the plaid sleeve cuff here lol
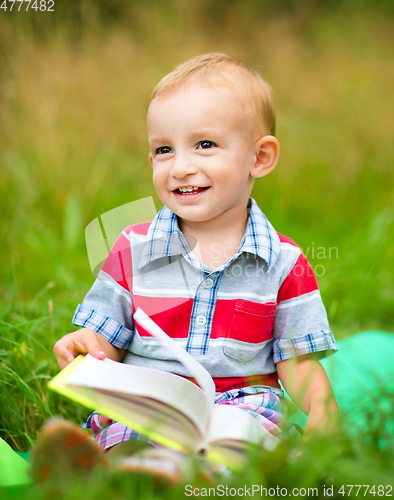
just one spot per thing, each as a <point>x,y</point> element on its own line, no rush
<point>114,332</point>
<point>320,341</point>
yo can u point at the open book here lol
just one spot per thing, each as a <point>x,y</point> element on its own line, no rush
<point>168,408</point>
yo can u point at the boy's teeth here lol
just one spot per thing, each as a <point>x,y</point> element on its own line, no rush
<point>187,189</point>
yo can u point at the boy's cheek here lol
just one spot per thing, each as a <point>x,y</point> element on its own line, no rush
<point>157,180</point>
<point>159,183</point>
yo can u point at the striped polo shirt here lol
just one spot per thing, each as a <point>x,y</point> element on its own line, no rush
<point>238,320</point>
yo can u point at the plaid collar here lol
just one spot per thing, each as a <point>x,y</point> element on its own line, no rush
<point>165,239</point>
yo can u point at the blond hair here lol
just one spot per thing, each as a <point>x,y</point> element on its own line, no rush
<point>220,70</point>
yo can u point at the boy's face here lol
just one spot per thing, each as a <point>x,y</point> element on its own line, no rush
<point>201,138</point>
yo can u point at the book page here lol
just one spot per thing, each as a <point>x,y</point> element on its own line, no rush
<point>229,423</point>
<point>197,371</point>
<point>162,423</point>
<point>166,388</point>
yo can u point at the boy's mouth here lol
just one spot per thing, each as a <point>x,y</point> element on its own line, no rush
<point>188,190</point>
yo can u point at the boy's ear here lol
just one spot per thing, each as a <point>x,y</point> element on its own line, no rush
<point>150,158</point>
<point>267,151</point>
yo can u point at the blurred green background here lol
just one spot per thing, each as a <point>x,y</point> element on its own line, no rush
<point>74,89</point>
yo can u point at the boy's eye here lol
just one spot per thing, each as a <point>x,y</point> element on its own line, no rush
<point>206,145</point>
<point>163,150</point>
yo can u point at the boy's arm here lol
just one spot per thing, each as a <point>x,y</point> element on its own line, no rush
<point>85,341</point>
<point>306,382</point>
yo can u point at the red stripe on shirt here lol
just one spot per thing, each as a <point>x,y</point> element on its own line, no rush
<point>141,228</point>
<point>118,263</point>
<point>248,321</point>
<point>225,384</point>
<point>171,314</point>
<point>299,281</point>
<point>286,239</point>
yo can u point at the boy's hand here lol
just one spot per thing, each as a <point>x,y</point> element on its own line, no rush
<point>80,342</point>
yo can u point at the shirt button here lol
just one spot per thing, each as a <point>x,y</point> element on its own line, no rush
<point>208,283</point>
<point>201,320</point>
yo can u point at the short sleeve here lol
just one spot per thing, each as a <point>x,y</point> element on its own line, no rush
<point>107,307</point>
<point>301,324</point>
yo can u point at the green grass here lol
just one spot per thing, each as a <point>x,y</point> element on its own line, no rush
<point>73,145</point>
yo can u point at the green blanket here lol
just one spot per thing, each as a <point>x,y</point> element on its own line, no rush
<point>362,377</point>
<point>14,469</point>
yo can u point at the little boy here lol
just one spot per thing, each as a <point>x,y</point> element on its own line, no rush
<point>210,269</point>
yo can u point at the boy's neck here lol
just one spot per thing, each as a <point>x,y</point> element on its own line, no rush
<point>216,243</point>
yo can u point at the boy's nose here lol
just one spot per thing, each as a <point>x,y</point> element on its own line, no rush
<point>182,166</point>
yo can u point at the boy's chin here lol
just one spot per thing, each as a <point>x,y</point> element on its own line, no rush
<point>186,218</point>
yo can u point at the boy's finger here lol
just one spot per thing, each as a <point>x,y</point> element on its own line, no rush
<point>93,347</point>
<point>61,362</point>
<point>68,347</point>
<point>63,354</point>
<point>62,350</point>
